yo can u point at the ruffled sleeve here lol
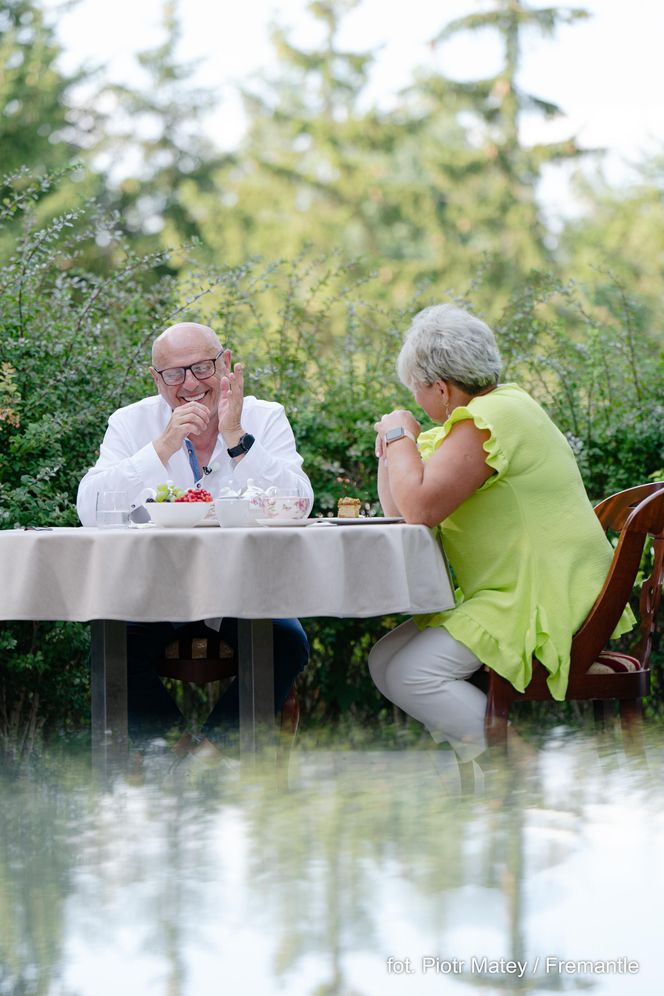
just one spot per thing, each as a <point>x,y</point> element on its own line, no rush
<point>429,441</point>
<point>496,457</point>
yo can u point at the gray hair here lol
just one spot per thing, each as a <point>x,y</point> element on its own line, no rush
<point>448,343</point>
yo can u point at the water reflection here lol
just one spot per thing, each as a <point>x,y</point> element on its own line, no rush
<point>366,877</point>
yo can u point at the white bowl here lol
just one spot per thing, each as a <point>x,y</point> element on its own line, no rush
<point>232,512</point>
<point>173,514</point>
<point>285,507</point>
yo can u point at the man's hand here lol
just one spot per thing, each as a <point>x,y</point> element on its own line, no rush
<point>186,420</point>
<point>231,399</point>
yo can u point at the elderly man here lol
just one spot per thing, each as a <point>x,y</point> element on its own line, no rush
<point>198,425</point>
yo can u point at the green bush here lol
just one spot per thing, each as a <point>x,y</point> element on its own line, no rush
<point>589,356</point>
<point>71,350</point>
<point>74,345</point>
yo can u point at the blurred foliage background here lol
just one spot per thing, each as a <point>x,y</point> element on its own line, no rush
<point>307,247</point>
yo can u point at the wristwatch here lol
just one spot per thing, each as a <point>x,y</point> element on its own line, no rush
<point>244,445</point>
<point>398,433</point>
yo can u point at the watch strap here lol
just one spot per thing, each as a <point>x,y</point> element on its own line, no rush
<point>244,444</point>
<point>398,432</point>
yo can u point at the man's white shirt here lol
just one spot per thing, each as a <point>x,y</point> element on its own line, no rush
<point>128,460</point>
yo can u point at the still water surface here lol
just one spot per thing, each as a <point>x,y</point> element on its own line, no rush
<point>367,877</point>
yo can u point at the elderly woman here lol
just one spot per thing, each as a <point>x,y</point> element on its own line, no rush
<point>528,553</point>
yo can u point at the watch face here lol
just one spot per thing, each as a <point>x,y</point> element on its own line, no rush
<point>243,446</point>
<point>393,434</point>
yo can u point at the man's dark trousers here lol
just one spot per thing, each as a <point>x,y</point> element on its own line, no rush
<point>152,711</point>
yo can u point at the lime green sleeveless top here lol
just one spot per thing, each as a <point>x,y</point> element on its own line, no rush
<point>527,550</point>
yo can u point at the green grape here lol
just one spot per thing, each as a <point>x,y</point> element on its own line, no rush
<point>167,492</point>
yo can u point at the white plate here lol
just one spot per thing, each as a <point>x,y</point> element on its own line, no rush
<point>380,520</point>
<point>365,520</point>
<point>285,522</point>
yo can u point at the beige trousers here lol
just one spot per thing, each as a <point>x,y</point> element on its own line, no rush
<point>423,672</point>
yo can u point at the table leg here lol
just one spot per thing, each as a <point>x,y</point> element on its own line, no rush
<point>255,684</point>
<point>109,692</point>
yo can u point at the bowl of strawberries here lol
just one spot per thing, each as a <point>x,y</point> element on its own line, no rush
<point>171,507</point>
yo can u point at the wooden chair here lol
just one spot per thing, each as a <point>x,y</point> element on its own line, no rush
<point>596,673</point>
<point>208,659</point>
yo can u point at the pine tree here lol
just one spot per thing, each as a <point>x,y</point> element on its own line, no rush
<point>45,133</point>
<point>619,237</point>
<point>161,136</point>
<point>40,126</point>
<point>300,172</point>
<point>427,193</point>
<point>496,203</point>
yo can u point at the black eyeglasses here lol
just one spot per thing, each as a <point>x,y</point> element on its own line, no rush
<point>203,370</point>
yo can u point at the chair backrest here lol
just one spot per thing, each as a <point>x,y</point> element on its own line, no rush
<point>199,660</point>
<point>637,513</point>
<point>613,511</point>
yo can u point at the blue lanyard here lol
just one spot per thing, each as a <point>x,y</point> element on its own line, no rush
<point>193,461</point>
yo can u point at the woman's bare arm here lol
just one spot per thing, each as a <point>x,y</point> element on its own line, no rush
<point>429,492</point>
<point>387,502</point>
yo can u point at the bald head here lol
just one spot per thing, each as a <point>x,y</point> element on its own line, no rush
<point>178,350</point>
<point>187,336</point>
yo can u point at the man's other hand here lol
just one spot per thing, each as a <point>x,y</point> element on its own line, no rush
<point>231,400</point>
<point>186,420</point>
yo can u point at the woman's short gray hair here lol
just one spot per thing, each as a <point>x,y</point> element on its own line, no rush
<point>448,343</point>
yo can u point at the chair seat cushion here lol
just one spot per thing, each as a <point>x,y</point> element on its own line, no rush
<point>613,662</point>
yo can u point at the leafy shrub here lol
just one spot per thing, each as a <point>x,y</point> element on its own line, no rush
<point>588,355</point>
<point>74,346</point>
<point>70,343</point>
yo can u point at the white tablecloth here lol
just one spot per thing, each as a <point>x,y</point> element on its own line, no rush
<point>186,574</point>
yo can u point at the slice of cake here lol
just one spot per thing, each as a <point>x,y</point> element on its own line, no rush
<point>349,508</point>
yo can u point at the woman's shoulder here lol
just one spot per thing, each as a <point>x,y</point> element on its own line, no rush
<point>509,393</point>
<point>508,408</point>
<point>511,416</point>
<point>479,410</point>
